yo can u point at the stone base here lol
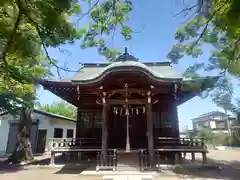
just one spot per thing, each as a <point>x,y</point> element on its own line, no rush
<point>128,177</point>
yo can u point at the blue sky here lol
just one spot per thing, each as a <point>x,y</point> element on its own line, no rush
<point>157,25</point>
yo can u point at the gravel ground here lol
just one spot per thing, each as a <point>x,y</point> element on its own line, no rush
<point>229,161</point>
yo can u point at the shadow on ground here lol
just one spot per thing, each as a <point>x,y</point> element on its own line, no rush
<point>61,167</point>
<point>214,169</point>
<point>8,168</point>
<point>75,169</point>
<point>69,167</point>
<point>5,167</point>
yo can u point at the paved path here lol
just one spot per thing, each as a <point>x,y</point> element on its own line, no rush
<point>229,160</point>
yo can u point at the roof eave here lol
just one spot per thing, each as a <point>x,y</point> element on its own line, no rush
<point>194,87</point>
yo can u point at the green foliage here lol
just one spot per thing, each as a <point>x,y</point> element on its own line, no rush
<point>218,138</point>
<point>26,27</point>
<point>221,138</point>
<point>60,108</point>
<point>29,27</point>
<point>235,138</point>
<point>107,17</point>
<point>207,135</point>
<point>218,27</point>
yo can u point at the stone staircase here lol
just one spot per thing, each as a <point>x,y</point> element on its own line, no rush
<point>128,161</point>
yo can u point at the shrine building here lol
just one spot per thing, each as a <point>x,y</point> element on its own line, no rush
<point>127,104</point>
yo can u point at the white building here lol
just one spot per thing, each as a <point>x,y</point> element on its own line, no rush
<point>44,127</point>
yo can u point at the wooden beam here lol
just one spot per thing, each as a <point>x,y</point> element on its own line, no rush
<point>121,91</point>
<point>131,90</point>
<point>141,91</point>
<point>130,101</point>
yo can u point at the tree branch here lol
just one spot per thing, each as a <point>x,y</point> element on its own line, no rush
<point>207,23</point>
<point>45,49</point>
<point>186,10</point>
<point>232,56</point>
<point>11,37</point>
<point>234,50</point>
<point>90,9</point>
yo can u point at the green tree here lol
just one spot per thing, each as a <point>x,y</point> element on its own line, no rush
<point>214,24</point>
<point>207,135</point>
<point>29,28</point>
<point>221,138</point>
<point>60,108</point>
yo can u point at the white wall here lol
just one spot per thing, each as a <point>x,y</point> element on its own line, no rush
<point>212,124</point>
<point>223,131</point>
<point>57,123</point>
<point>45,122</point>
<point>4,130</point>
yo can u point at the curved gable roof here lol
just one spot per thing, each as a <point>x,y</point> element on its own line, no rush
<point>158,71</point>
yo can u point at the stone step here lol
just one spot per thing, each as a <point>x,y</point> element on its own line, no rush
<point>128,168</point>
<point>128,177</point>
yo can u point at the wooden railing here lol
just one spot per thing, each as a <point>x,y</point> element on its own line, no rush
<point>166,149</point>
<point>65,143</point>
<point>169,142</point>
<point>111,161</point>
<point>143,159</point>
<point>85,148</point>
<point>172,150</point>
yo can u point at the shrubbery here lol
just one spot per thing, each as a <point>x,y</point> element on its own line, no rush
<point>219,138</point>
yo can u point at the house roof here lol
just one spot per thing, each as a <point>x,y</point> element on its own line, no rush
<point>212,113</point>
<point>45,113</point>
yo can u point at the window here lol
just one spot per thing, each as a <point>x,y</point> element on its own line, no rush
<point>69,133</point>
<point>202,124</point>
<point>58,133</point>
<point>220,124</point>
<point>218,118</point>
<point>205,124</point>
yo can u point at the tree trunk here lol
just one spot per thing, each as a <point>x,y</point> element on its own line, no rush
<point>23,149</point>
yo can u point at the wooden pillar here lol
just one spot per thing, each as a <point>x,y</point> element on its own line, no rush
<point>193,156</point>
<point>176,118</point>
<point>104,148</point>
<point>150,130</point>
<point>127,135</point>
<point>177,158</point>
<point>79,124</point>
<point>52,159</point>
<point>204,158</point>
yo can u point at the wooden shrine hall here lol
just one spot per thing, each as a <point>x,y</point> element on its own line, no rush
<point>129,106</point>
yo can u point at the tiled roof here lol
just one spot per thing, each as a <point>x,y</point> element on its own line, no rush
<point>158,70</point>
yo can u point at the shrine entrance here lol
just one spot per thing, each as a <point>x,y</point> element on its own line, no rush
<point>117,129</point>
<point>138,131</point>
